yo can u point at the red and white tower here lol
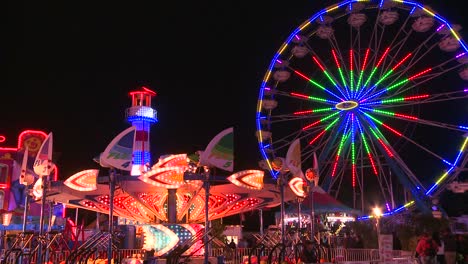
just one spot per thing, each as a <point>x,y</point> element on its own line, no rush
<point>141,116</point>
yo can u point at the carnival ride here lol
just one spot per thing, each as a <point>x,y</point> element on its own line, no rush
<point>171,203</point>
<point>377,91</point>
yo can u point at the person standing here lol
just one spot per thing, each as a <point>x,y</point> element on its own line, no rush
<point>232,244</point>
<point>441,248</point>
<point>309,253</point>
<point>450,246</point>
<point>427,249</point>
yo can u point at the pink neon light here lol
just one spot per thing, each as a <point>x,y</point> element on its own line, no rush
<point>459,55</point>
<point>403,60</point>
<point>419,74</point>
<point>365,59</point>
<point>317,137</point>
<point>336,59</point>
<point>406,116</point>
<point>416,97</point>
<point>318,63</point>
<point>2,138</point>
<point>351,60</point>
<point>303,112</point>
<point>383,56</point>
<point>386,148</point>
<point>391,129</point>
<point>311,125</point>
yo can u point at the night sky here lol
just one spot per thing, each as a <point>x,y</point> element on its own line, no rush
<point>70,65</point>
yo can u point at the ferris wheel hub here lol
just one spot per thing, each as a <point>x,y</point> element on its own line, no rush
<point>347,105</point>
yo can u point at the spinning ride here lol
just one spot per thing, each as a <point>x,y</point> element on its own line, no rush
<point>376,89</point>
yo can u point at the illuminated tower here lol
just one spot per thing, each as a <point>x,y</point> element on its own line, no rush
<point>141,116</point>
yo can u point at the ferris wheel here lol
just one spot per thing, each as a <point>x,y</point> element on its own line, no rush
<point>377,92</point>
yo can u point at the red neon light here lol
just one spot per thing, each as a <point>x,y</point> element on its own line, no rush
<point>311,125</point>
<point>383,56</point>
<point>403,60</point>
<point>365,59</point>
<point>302,75</point>
<point>354,175</point>
<point>317,137</point>
<point>406,116</point>
<point>336,59</point>
<point>303,112</point>
<point>145,90</point>
<point>149,90</point>
<point>386,148</point>
<point>415,97</point>
<point>372,163</point>
<point>391,129</point>
<point>351,60</point>
<point>334,165</point>
<point>419,74</point>
<point>25,132</point>
<point>318,63</point>
<point>300,95</point>
<point>2,138</point>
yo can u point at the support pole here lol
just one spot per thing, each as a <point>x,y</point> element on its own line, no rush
<point>283,229</point>
<point>260,213</point>
<point>49,228</point>
<point>298,215</point>
<point>312,212</point>
<point>41,219</point>
<point>25,221</point>
<point>111,213</point>
<point>207,220</point>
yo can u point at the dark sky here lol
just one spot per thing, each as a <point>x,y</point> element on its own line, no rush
<point>71,65</point>
<point>68,68</point>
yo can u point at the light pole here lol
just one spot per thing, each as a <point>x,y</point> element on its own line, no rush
<point>377,213</point>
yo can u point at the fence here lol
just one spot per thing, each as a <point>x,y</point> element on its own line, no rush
<point>242,255</point>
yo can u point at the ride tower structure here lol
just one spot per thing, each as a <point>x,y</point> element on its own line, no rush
<point>141,115</point>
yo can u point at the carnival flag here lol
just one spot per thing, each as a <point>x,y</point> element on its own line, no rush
<point>220,151</point>
<point>118,153</point>
<point>24,168</point>
<point>43,164</point>
<point>293,159</point>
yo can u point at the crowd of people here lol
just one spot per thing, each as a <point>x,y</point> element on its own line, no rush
<point>441,248</point>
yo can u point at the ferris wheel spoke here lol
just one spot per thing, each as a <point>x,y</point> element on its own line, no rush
<point>416,99</point>
<point>388,151</point>
<point>401,135</point>
<point>331,78</point>
<point>413,119</point>
<point>436,72</point>
<point>316,84</point>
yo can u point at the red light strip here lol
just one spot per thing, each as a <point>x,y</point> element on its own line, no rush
<point>419,74</point>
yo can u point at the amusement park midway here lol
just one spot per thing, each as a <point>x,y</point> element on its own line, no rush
<point>69,68</point>
<point>365,112</point>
